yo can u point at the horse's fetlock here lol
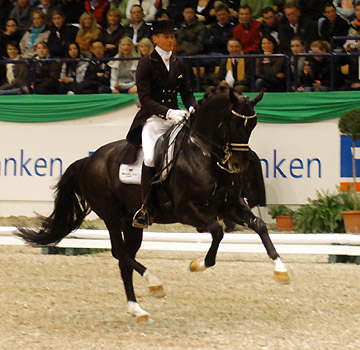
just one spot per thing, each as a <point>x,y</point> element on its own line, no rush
<point>209,263</point>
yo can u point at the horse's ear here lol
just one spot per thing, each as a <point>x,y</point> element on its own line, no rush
<point>258,98</point>
<point>233,97</point>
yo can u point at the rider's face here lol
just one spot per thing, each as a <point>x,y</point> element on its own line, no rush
<point>164,41</point>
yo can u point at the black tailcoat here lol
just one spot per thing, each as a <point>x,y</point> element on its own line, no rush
<point>157,90</point>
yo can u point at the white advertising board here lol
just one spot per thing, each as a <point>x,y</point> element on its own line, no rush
<point>297,159</point>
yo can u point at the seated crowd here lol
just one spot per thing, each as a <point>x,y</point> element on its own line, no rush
<point>99,43</point>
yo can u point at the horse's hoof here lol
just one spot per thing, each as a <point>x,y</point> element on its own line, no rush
<point>157,291</point>
<point>143,319</point>
<point>193,266</point>
<point>197,265</point>
<point>282,277</point>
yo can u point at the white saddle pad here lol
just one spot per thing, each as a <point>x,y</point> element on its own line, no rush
<point>131,173</point>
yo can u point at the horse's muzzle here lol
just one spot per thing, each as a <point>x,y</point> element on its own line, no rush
<point>238,167</point>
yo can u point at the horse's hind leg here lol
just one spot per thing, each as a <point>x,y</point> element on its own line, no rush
<point>125,253</point>
<point>133,239</point>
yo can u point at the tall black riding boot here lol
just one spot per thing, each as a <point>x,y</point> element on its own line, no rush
<point>142,218</point>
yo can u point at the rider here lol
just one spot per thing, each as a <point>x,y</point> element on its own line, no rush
<point>159,77</point>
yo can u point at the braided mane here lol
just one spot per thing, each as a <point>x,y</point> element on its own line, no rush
<point>210,94</point>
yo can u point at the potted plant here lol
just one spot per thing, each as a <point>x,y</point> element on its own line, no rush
<point>283,216</point>
<point>349,125</point>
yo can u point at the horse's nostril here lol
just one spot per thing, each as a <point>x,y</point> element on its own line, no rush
<point>236,166</point>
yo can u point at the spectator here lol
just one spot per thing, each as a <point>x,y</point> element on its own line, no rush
<point>113,31</point>
<point>297,46</point>
<point>88,31</point>
<point>296,25</point>
<point>46,72</point>
<point>353,79</point>
<point>257,6</point>
<point>13,76</point>
<point>38,33</point>
<point>235,72</point>
<point>10,34</point>
<point>333,25</point>
<point>192,34</point>
<point>121,5</point>
<point>220,31</point>
<point>248,30</point>
<point>22,13</point>
<point>123,72</point>
<point>145,47</point>
<point>148,8</point>
<point>345,9</point>
<point>269,70</point>
<point>234,8</point>
<point>61,33</point>
<point>73,9</point>
<point>4,13</point>
<point>72,73</point>
<point>205,11</point>
<point>270,24</point>
<point>47,6</point>
<point>354,29</point>
<point>138,28</point>
<point>176,9</point>
<point>97,76</point>
<point>162,15</point>
<point>312,9</point>
<point>98,8</point>
<point>316,75</point>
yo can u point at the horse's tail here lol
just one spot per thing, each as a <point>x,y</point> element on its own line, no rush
<point>70,209</point>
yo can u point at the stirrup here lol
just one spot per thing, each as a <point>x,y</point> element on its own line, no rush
<point>141,218</point>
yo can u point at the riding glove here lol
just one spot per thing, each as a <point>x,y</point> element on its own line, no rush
<point>176,115</point>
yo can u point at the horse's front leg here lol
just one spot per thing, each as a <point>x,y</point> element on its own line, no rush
<point>217,232</point>
<point>244,216</point>
<point>280,272</point>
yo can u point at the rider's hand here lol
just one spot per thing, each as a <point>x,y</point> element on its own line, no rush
<point>175,115</point>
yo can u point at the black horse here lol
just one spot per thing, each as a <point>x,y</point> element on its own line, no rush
<point>203,187</point>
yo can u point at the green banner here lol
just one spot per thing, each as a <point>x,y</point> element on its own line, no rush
<point>51,108</point>
<point>292,107</point>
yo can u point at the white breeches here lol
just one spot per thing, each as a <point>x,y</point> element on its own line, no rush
<point>154,127</point>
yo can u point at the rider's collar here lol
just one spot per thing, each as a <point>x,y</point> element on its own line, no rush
<point>165,55</point>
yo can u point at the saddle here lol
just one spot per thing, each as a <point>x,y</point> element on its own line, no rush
<point>164,156</point>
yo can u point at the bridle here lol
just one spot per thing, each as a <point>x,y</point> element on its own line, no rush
<point>246,117</point>
<point>234,147</point>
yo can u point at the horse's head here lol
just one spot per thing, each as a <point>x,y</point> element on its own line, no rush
<point>241,122</point>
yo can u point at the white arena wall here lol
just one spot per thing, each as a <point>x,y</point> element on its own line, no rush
<point>297,159</point>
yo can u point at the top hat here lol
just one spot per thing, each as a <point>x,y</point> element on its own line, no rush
<point>165,27</point>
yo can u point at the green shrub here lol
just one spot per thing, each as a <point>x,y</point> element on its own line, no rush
<point>323,214</point>
<point>279,210</point>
